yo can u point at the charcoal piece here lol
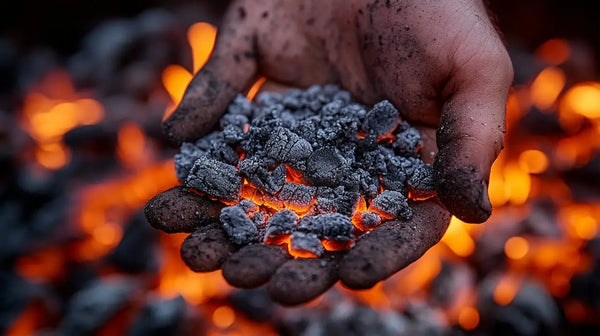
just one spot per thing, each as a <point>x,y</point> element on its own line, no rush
<point>238,226</point>
<point>368,220</point>
<point>381,119</point>
<point>237,120</point>
<point>248,206</point>
<point>184,160</point>
<point>240,105</point>
<point>215,179</point>
<point>205,142</point>
<point>253,265</point>
<point>269,98</point>
<point>375,161</point>
<point>297,197</point>
<point>281,223</point>
<point>91,307</point>
<point>420,184</point>
<point>255,304</point>
<point>160,317</point>
<point>287,147</point>
<point>332,226</point>
<point>407,142</point>
<point>255,140</point>
<point>301,242</point>
<point>346,202</point>
<point>136,251</point>
<point>391,204</point>
<point>291,101</point>
<point>256,170</point>
<point>394,182</point>
<point>206,249</point>
<point>323,205</point>
<point>219,150</point>
<point>400,165</point>
<point>338,130</point>
<point>326,166</point>
<point>362,181</point>
<point>232,135</point>
<point>307,129</point>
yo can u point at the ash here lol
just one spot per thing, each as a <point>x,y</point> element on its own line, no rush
<point>312,153</point>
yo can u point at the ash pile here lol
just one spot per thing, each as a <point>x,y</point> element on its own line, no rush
<point>307,166</point>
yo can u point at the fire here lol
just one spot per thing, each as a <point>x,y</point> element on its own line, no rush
<point>458,239</point>
<point>223,317</point>
<point>131,148</point>
<point>546,87</point>
<point>468,319</point>
<point>582,99</point>
<point>533,161</point>
<point>554,51</point>
<point>255,87</point>
<point>201,37</point>
<point>516,248</point>
<point>506,289</point>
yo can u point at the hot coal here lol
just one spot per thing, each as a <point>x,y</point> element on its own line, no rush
<point>238,226</point>
<point>215,179</point>
<point>257,171</point>
<point>408,140</point>
<point>369,220</point>
<point>332,226</point>
<point>381,119</point>
<point>281,223</point>
<point>420,184</point>
<point>161,317</point>
<point>306,242</point>
<point>286,146</point>
<point>326,166</point>
<point>297,196</point>
<point>392,204</point>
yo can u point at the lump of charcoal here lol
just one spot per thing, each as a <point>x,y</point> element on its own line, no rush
<point>184,160</point>
<point>269,98</point>
<point>237,120</point>
<point>306,242</point>
<point>219,150</point>
<point>420,184</point>
<point>255,169</point>
<point>346,202</point>
<point>398,165</point>
<point>238,226</point>
<point>282,222</point>
<point>381,119</point>
<point>407,142</point>
<point>160,317</point>
<point>297,197</point>
<point>240,105</point>
<point>391,204</point>
<point>394,180</point>
<point>333,226</point>
<point>286,146</point>
<point>215,179</point>
<point>368,220</point>
<point>232,135</point>
<point>326,166</point>
<point>307,129</point>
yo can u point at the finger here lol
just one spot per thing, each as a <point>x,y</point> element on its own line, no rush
<point>301,280</point>
<point>253,265</point>
<point>206,249</point>
<point>393,245</point>
<point>230,69</point>
<point>471,132</point>
<point>181,210</point>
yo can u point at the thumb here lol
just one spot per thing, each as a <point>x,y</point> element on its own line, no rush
<point>230,70</point>
<point>471,133</point>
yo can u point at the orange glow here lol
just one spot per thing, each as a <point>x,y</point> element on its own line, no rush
<point>580,221</point>
<point>516,248</point>
<point>52,155</point>
<point>175,79</point>
<point>458,239</point>
<point>298,253</point>
<point>223,317</point>
<point>255,87</point>
<point>201,37</point>
<point>131,145</point>
<point>554,51</point>
<point>331,245</point>
<point>27,323</point>
<point>517,184</point>
<point>417,276</point>
<point>533,161</point>
<point>47,265</point>
<point>546,87</point>
<point>582,99</point>
<point>108,234</point>
<point>506,290</point>
<point>468,318</point>
<point>575,311</point>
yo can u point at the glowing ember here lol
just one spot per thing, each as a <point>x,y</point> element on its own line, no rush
<point>516,248</point>
<point>468,319</point>
<point>546,87</point>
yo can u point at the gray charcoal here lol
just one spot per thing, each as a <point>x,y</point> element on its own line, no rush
<point>381,119</point>
<point>421,183</point>
<point>282,222</point>
<point>219,150</point>
<point>306,242</point>
<point>215,179</point>
<point>256,170</point>
<point>346,202</point>
<point>286,146</point>
<point>332,226</point>
<point>269,98</point>
<point>369,220</point>
<point>326,166</point>
<point>240,105</point>
<point>184,160</point>
<point>393,204</point>
<point>407,142</point>
<point>248,206</point>
<point>232,135</point>
<point>238,226</point>
<point>297,196</point>
<point>204,143</point>
<point>237,120</point>
<point>160,317</point>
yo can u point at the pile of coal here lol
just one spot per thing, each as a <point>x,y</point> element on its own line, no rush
<point>307,166</point>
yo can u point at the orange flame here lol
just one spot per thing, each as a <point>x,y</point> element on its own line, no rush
<point>546,87</point>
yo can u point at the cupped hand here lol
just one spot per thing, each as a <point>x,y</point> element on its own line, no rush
<point>441,63</point>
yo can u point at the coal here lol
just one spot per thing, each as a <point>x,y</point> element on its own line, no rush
<point>238,226</point>
<point>253,265</point>
<point>392,204</point>
<point>381,119</point>
<point>281,223</point>
<point>421,184</point>
<point>257,171</point>
<point>297,196</point>
<point>369,220</point>
<point>286,146</point>
<point>184,160</point>
<point>332,226</point>
<point>326,166</point>
<point>215,179</point>
<point>306,242</point>
<point>160,317</point>
<point>206,249</point>
<point>408,141</point>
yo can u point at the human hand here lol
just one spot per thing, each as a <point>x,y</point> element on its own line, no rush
<point>441,64</point>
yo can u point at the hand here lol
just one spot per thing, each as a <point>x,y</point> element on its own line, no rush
<point>441,64</point>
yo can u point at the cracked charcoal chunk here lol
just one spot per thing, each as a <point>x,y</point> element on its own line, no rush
<point>215,179</point>
<point>421,184</point>
<point>184,160</point>
<point>326,166</point>
<point>346,202</point>
<point>286,146</point>
<point>282,222</point>
<point>255,169</point>
<point>219,150</point>
<point>248,206</point>
<point>407,142</point>
<point>381,119</point>
<point>391,204</point>
<point>297,196</point>
<point>232,135</point>
<point>238,226</point>
<point>332,226</point>
<point>369,220</point>
<point>240,105</point>
<point>306,242</point>
<point>237,120</point>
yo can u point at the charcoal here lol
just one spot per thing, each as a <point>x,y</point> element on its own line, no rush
<point>420,184</point>
<point>254,304</point>
<point>256,170</point>
<point>297,196</point>
<point>248,206</point>
<point>238,226</point>
<point>381,119</point>
<point>232,135</point>
<point>306,242</point>
<point>215,179</point>
<point>184,160</point>
<point>160,317</point>
<point>237,120</point>
<point>369,220</point>
<point>135,252</point>
<point>407,142</point>
<point>394,181</point>
<point>269,98</point>
<point>326,166</point>
<point>206,249</point>
<point>332,226</point>
<point>346,202</point>
<point>286,146</point>
<point>307,129</point>
<point>240,105</point>
<point>219,150</point>
<point>282,222</point>
<point>391,204</point>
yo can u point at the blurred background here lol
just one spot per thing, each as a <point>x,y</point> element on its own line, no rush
<point>83,89</point>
